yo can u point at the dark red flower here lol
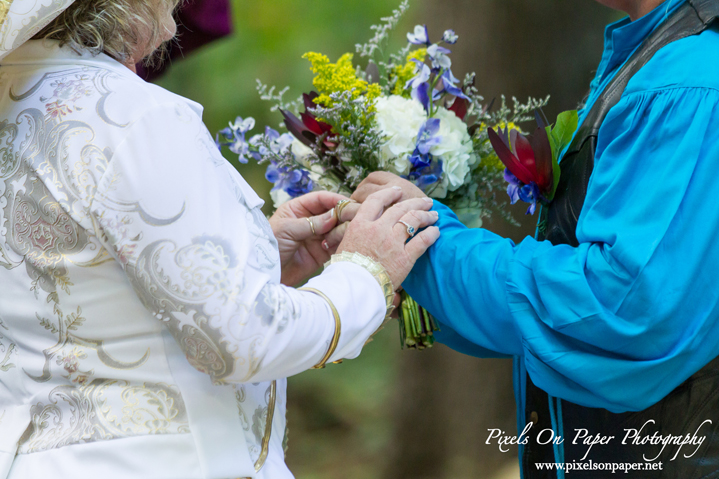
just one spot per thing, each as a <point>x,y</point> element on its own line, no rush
<point>529,158</point>
<point>460,107</point>
<point>309,128</point>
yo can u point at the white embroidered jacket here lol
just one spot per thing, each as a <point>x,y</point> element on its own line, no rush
<point>143,329</point>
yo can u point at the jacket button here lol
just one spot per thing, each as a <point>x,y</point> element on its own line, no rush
<point>534,417</point>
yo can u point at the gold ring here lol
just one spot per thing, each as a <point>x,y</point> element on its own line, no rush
<point>341,206</point>
<point>312,226</point>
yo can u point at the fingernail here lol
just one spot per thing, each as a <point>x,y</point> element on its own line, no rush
<point>325,245</point>
<point>428,200</point>
<point>398,188</point>
<point>435,214</point>
<point>329,214</point>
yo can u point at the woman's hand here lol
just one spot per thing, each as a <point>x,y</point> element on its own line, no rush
<point>380,180</point>
<point>382,236</point>
<point>301,251</point>
<point>375,182</point>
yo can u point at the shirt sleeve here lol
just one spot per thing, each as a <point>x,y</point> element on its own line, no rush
<point>624,318</point>
<point>191,239</point>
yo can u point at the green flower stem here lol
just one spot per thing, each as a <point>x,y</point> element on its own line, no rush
<point>435,80</point>
<point>416,325</point>
<point>426,322</point>
<point>405,325</point>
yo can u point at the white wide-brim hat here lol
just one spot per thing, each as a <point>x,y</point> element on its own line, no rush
<point>20,20</point>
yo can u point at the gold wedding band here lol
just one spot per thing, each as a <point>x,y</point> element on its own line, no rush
<point>312,226</point>
<point>341,206</point>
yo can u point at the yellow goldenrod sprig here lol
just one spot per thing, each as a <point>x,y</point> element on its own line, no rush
<point>338,77</point>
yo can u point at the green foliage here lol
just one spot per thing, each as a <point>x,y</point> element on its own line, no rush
<point>560,135</point>
<point>269,41</point>
<point>564,129</point>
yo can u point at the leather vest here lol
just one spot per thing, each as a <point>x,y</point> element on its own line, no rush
<point>688,406</point>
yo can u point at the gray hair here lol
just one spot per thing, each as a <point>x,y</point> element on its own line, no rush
<point>114,27</point>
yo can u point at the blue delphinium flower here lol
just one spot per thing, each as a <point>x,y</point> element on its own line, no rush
<point>450,37</point>
<point>294,182</point>
<point>448,81</point>
<point>426,176</point>
<point>235,136</point>
<point>426,170</point>
<point>420,84</point>
<point>420,35</point>
<point>423,75</point>
<point>272,147</point>
<point>429,175</point>
<point>278,144</point>
<point>426,139</point>
<point>421,94</point>
<point>519,191</point>
<point>426,78</point>
<point>439,57</point>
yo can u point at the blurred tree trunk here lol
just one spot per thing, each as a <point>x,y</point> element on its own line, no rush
<point>445,401</point>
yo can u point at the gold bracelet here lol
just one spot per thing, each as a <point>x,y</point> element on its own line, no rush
<point>375,269</point>
<point>338,328</point>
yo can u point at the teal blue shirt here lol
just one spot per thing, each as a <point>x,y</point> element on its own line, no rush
<point>624,318</point>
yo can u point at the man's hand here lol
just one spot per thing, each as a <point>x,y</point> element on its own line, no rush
<point>380,180</point>
<point>301,250</point>
<point>376,181</point>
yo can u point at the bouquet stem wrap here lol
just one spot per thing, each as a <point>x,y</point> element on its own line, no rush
<point>416,325</point>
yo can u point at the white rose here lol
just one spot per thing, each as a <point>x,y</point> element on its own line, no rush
<point>302,152</point>
<point>455,150</point>
<point>328,183</point>
<point>279,197</point>
<point>399,119</point>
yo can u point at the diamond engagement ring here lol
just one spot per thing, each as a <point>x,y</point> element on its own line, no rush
<point>411,230</point>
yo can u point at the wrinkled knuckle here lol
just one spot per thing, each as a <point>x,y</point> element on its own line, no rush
<point>415,214</point>
<point>391,210</point>
<point>370,202</point>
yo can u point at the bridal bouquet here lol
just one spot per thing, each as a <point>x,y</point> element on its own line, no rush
<point>406,113</point>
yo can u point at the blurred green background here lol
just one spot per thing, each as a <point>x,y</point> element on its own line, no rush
<point>269,40</point>
<point>392,413</point>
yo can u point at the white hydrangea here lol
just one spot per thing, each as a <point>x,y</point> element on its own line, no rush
<point>279,197</point>
<point>455,150</point>
<point>399,119</point>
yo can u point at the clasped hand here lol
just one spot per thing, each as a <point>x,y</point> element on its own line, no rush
<point>377,225</point>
